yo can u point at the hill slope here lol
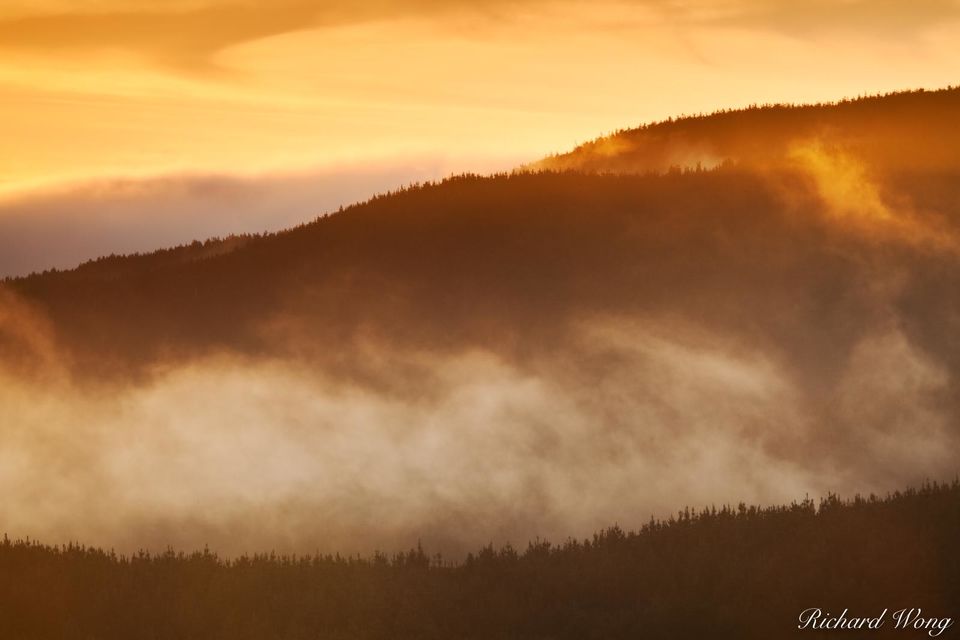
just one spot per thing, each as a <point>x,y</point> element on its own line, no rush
<point>513,355</point>
<point>834,182</point>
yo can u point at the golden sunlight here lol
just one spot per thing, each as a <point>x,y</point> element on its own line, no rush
<point>139,88</point>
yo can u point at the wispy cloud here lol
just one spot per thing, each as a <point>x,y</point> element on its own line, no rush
<point>60,227</point>
<point>248,454</point>
<point>190,34</point>
<point>884,18</point>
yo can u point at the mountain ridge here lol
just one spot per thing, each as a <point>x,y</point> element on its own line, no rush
<point>647,147</point>
<point>591,157</point>
<point>592,340</point>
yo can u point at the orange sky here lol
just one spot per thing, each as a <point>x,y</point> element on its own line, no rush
<point>142,87</point>
<point>130,125</point>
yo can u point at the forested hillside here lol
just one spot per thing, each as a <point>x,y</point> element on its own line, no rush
<point>814,201</point>
<point>739,573</point>
<point>512,262</point>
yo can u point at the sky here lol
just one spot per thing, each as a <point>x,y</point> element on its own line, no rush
<point>112,109</point>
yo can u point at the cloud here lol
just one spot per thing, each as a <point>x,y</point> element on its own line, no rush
<point>248,454</point>
<point>60,227</point>
<point>189,34</point>
<point>182,37</point>
<point>854,201</point>
<point>884,18</point>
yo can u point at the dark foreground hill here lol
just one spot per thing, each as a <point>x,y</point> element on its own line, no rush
<point>719,573</point>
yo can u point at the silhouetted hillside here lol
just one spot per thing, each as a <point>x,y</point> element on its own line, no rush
<point>511,259</point>
<point>505,262</point>
<point>510,262</point>
<point>717,573</point>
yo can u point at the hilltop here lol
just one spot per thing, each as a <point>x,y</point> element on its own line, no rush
<point>903,132</point>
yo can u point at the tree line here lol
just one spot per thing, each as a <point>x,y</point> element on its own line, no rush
<point>727,572</point>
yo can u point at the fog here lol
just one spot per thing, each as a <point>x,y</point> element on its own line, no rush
<point>62,226</point>
<point>640,417</point>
